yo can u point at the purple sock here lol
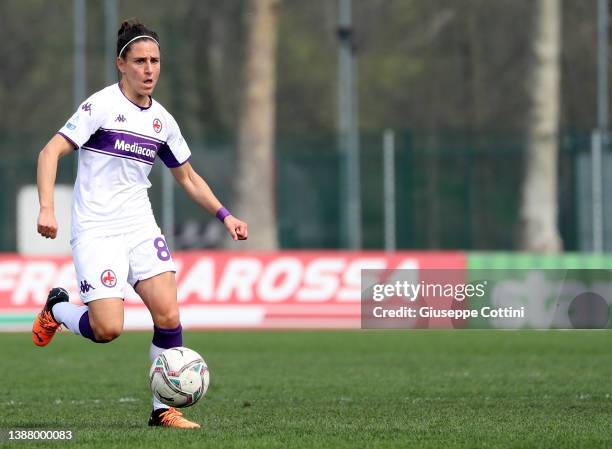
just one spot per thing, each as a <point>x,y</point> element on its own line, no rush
<point>168,338</point>
<point>85,328</point>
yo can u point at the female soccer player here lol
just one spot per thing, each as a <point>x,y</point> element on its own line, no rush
<point>119,131</point>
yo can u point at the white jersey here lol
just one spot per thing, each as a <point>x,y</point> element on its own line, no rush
<point>118,142</point>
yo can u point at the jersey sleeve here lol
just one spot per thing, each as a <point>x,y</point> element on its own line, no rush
<point>175,152</point>
<point>85,121</point>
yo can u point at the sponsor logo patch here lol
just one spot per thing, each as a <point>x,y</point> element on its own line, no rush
<point>138,148</point>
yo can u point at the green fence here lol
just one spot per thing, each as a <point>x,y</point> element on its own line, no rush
<point>456,190</point>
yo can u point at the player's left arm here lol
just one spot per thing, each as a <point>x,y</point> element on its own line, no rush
<point>201,193</point>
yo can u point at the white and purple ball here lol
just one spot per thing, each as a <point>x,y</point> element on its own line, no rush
<point>179,377</point>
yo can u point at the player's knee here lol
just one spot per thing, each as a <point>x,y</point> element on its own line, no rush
<point>107,332</point>
<point>169,320</point>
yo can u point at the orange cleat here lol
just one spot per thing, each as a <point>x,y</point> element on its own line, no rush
<point>171,417</point>
<point>45,326</point>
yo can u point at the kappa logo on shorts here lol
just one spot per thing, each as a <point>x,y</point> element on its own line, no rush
<point>86,286</point>
<point>108,278</point>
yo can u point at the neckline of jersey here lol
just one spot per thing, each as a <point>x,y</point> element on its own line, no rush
<point>142,108</point>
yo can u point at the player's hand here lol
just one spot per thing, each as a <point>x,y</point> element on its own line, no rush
<point>47,224</point>
<point>237,228</point>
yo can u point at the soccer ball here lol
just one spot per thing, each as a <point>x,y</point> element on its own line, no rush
<point>179,377</point>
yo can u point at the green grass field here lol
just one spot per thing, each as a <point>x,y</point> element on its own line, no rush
<point>421,389</point>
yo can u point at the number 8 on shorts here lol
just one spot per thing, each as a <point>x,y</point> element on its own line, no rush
<point>163,253</point>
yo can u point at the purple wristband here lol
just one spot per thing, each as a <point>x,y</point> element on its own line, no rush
<point>222,213</point>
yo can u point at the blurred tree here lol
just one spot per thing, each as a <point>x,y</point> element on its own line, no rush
<point>34,80</point>
<point>458,64</point>
<point>217,45</point>
<point>539,208</point>
<point>255,180</point>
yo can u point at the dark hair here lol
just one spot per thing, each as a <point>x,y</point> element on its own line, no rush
<point>128,31</point>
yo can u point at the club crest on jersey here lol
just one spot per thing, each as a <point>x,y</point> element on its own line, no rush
<point>157,125</point>
<point>86,107</point>
<point>120,118</point>
<point>108,278</point>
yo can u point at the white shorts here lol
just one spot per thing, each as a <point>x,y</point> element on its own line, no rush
<point>105,264</point>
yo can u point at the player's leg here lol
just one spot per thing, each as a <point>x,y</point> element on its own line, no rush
<point>152,275</point>
<point>159,295</point>
<point>101,265</point>
<point>105,319</point>
<point>101,320</point>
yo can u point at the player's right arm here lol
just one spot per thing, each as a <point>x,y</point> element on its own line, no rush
<point>46,173</point>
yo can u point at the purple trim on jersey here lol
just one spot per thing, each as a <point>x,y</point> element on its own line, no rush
<point>168,338</point>
<point>114,155</point>
<point>127,131</point>
<point>76,147</point>
<point>185,161</point>
<point>168,158</point>
<point>142,108</point>
<point>122,144</point>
